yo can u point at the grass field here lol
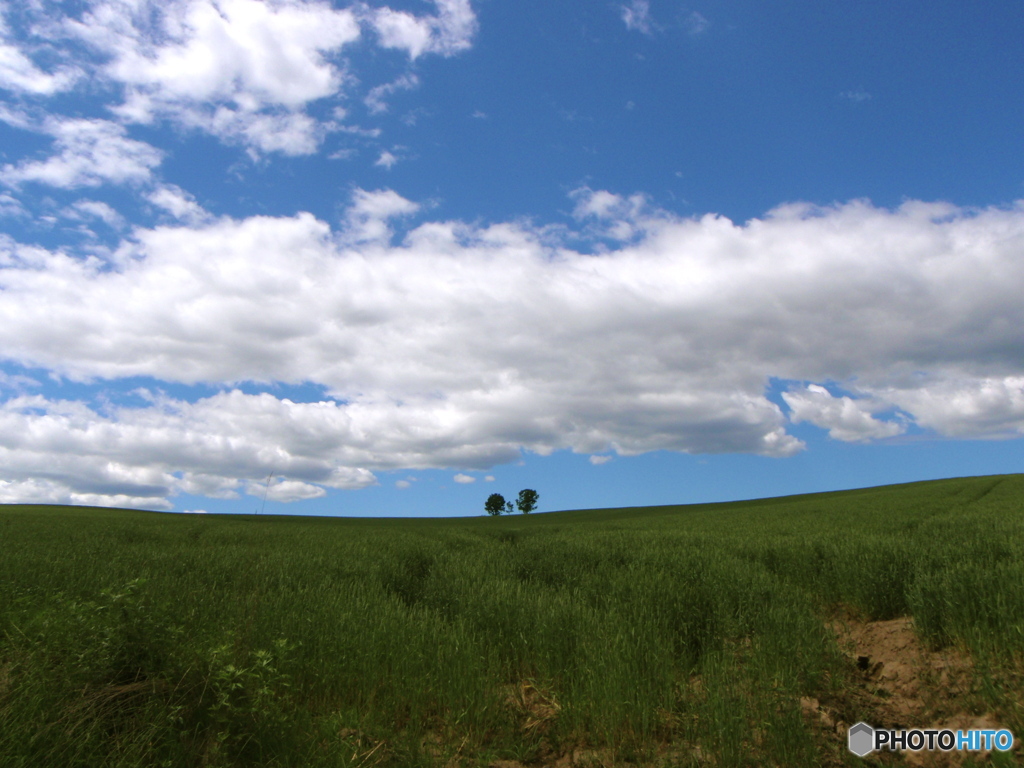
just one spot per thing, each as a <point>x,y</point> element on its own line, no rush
<point>666,636</point>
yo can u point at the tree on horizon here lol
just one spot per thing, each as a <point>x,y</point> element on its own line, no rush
<point>495,504</point>
<point>527,501</point>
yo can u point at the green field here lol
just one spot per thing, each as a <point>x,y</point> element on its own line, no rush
<point>675,636</point>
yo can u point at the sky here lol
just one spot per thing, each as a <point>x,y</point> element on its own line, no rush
<point>385,259</point>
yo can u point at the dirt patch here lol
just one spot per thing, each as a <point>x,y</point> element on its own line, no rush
<point>535,706</point>
<point>537,709</point>
<point>910,681</point>
<point>903,684</point>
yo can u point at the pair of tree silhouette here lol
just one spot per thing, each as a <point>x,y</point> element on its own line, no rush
<point>526,503</point>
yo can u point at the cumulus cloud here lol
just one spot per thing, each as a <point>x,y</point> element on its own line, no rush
<point>44,491</point>
<point>290,133</point>
<point>598,460</point>
<point>613,216</point>
<point>245,71</point>
<point>464,479</point>
<point>183,56</point>
<point>210,447</point>
<point>242,70</point>
<point>845,419</point>
<point>463,345</point>
<point>367,217</point>
<point>89,152</point>
<point>286,491</point>
<point>447,33</point>
<point>962,406</point>
<point>246,51</point>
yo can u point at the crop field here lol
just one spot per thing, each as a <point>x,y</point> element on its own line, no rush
<point>740,634</point>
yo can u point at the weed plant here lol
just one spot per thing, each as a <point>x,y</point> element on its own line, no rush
<point>659,636</point>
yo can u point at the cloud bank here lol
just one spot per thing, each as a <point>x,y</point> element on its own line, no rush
<point>430,343</point>
<point>461,345</point>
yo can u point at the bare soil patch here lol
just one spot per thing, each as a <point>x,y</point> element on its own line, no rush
<point>902,683</point>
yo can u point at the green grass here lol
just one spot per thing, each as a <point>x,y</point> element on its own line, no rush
<point>678,635</point>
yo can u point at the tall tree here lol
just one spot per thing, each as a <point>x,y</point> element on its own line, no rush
<point>495,504</point>
<point>527,501</point>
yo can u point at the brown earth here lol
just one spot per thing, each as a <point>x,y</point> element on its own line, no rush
<point>904,684</point>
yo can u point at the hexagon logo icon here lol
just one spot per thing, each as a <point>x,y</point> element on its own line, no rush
<point>861,739</point>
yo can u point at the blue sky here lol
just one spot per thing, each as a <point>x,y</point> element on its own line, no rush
<point>395,257</point>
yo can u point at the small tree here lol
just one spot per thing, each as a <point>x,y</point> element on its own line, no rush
<point>527,501</point>
<point>495,504</point>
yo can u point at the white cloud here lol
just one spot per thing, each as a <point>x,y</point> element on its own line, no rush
<point>247,52</point>
<point>845,419</point>
<point>386,160</point>
<point>89,153</point>
<point>489,479</point>
<point>366,219</point>
<point>290,133</point>
<point>96,209</point>
<point>464,479</point>
<point>613,216</point>
<point>984,406</point>
<point>43,491</point>
<point>18,73</point>
<point>447,33</point>
<point>178,203</point>
<point>207,447</point>
<point>463,345</point>
<point>202,484</point>
<point>243,70</point>
<point>16,382</point>
<point>637,15</point>
<point>16,118</point>
<point>194,512</point>
<point>11,207</point>
<point>403,484</point>
<point>375,99</point>
<point>287,491</point>
<point>597,460</point>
